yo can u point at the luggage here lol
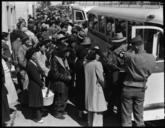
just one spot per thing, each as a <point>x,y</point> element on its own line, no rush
<point>48,96</point>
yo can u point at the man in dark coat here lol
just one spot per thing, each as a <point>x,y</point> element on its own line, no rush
<point>60,77</point>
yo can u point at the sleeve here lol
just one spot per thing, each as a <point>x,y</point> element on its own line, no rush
<point>41,64</point>
<point>99,73</point>
<point>55,74</point>
<point>34,75</point>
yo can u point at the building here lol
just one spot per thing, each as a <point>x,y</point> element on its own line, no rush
<point>11,11</point>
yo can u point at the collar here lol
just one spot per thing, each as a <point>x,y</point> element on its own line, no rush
<point>60,60</point>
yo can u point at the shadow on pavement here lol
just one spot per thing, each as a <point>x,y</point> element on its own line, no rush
<point>23,106</point>
<point>25,111</point>
<point>111,119</point>
<point>73,113</point>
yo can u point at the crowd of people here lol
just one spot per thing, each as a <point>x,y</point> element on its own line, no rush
<point>52,51</point>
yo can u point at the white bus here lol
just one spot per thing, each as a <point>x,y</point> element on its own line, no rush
<point>105,21</point>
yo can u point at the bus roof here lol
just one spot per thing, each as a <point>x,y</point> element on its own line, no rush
<point>136,14</point>
<point>84,8</point>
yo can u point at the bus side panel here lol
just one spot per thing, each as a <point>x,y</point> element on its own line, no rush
<point>154,97</point>
<point>155,90</point>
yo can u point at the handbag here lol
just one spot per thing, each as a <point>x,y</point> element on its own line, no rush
<point>48,96</point>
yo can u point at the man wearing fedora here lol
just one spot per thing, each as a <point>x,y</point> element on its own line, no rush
<point>111,64</point>
<point>139,66</point>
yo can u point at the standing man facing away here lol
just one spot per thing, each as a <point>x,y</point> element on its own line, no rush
<point>139,66</point>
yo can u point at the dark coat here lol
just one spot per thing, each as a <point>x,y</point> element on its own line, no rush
<point>35,86</point>
<point>58,76</point>
<point>80,84</point>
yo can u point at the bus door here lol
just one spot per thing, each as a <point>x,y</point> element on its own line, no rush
<point>154,95</point>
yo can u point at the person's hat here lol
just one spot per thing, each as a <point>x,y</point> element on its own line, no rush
<point>137,40</point>
<point>61,49</point>
<point>96,47</point>
<point>118,38</point>
<point>81,35</point>
<point>87,41</point>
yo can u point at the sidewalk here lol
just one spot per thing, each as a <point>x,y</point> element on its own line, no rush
<point>19,117</point>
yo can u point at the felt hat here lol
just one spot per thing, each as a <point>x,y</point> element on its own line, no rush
<point>118,38</point>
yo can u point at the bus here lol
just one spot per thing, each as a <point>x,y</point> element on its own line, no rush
<point>104,22</point>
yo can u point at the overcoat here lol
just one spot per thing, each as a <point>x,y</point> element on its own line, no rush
<point>80,84</point>
<point>94,96</point>
<point>58,75</point>
<point>35,97</point>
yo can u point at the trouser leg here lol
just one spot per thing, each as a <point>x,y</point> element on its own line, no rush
<point>90,118</point>
<point>126,108</point>
<point>60,101</point>
<point>138,108</point>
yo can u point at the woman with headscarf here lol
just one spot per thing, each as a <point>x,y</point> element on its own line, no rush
<point>35,97</point>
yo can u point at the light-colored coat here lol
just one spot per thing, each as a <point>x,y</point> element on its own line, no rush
<point>94,96</point>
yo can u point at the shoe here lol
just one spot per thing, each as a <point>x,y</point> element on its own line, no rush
<point>38,121</point>
<point>64,113</point>
<point>59,116</point>
<point>115,109</point>
<point>44,114</point>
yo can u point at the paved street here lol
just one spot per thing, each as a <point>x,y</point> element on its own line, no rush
<point>21,117</point>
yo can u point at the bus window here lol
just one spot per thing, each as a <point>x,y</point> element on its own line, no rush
<point>109,27</point>
<point>102,23</point>
<point>79,15</point>
<point>93,22</point>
